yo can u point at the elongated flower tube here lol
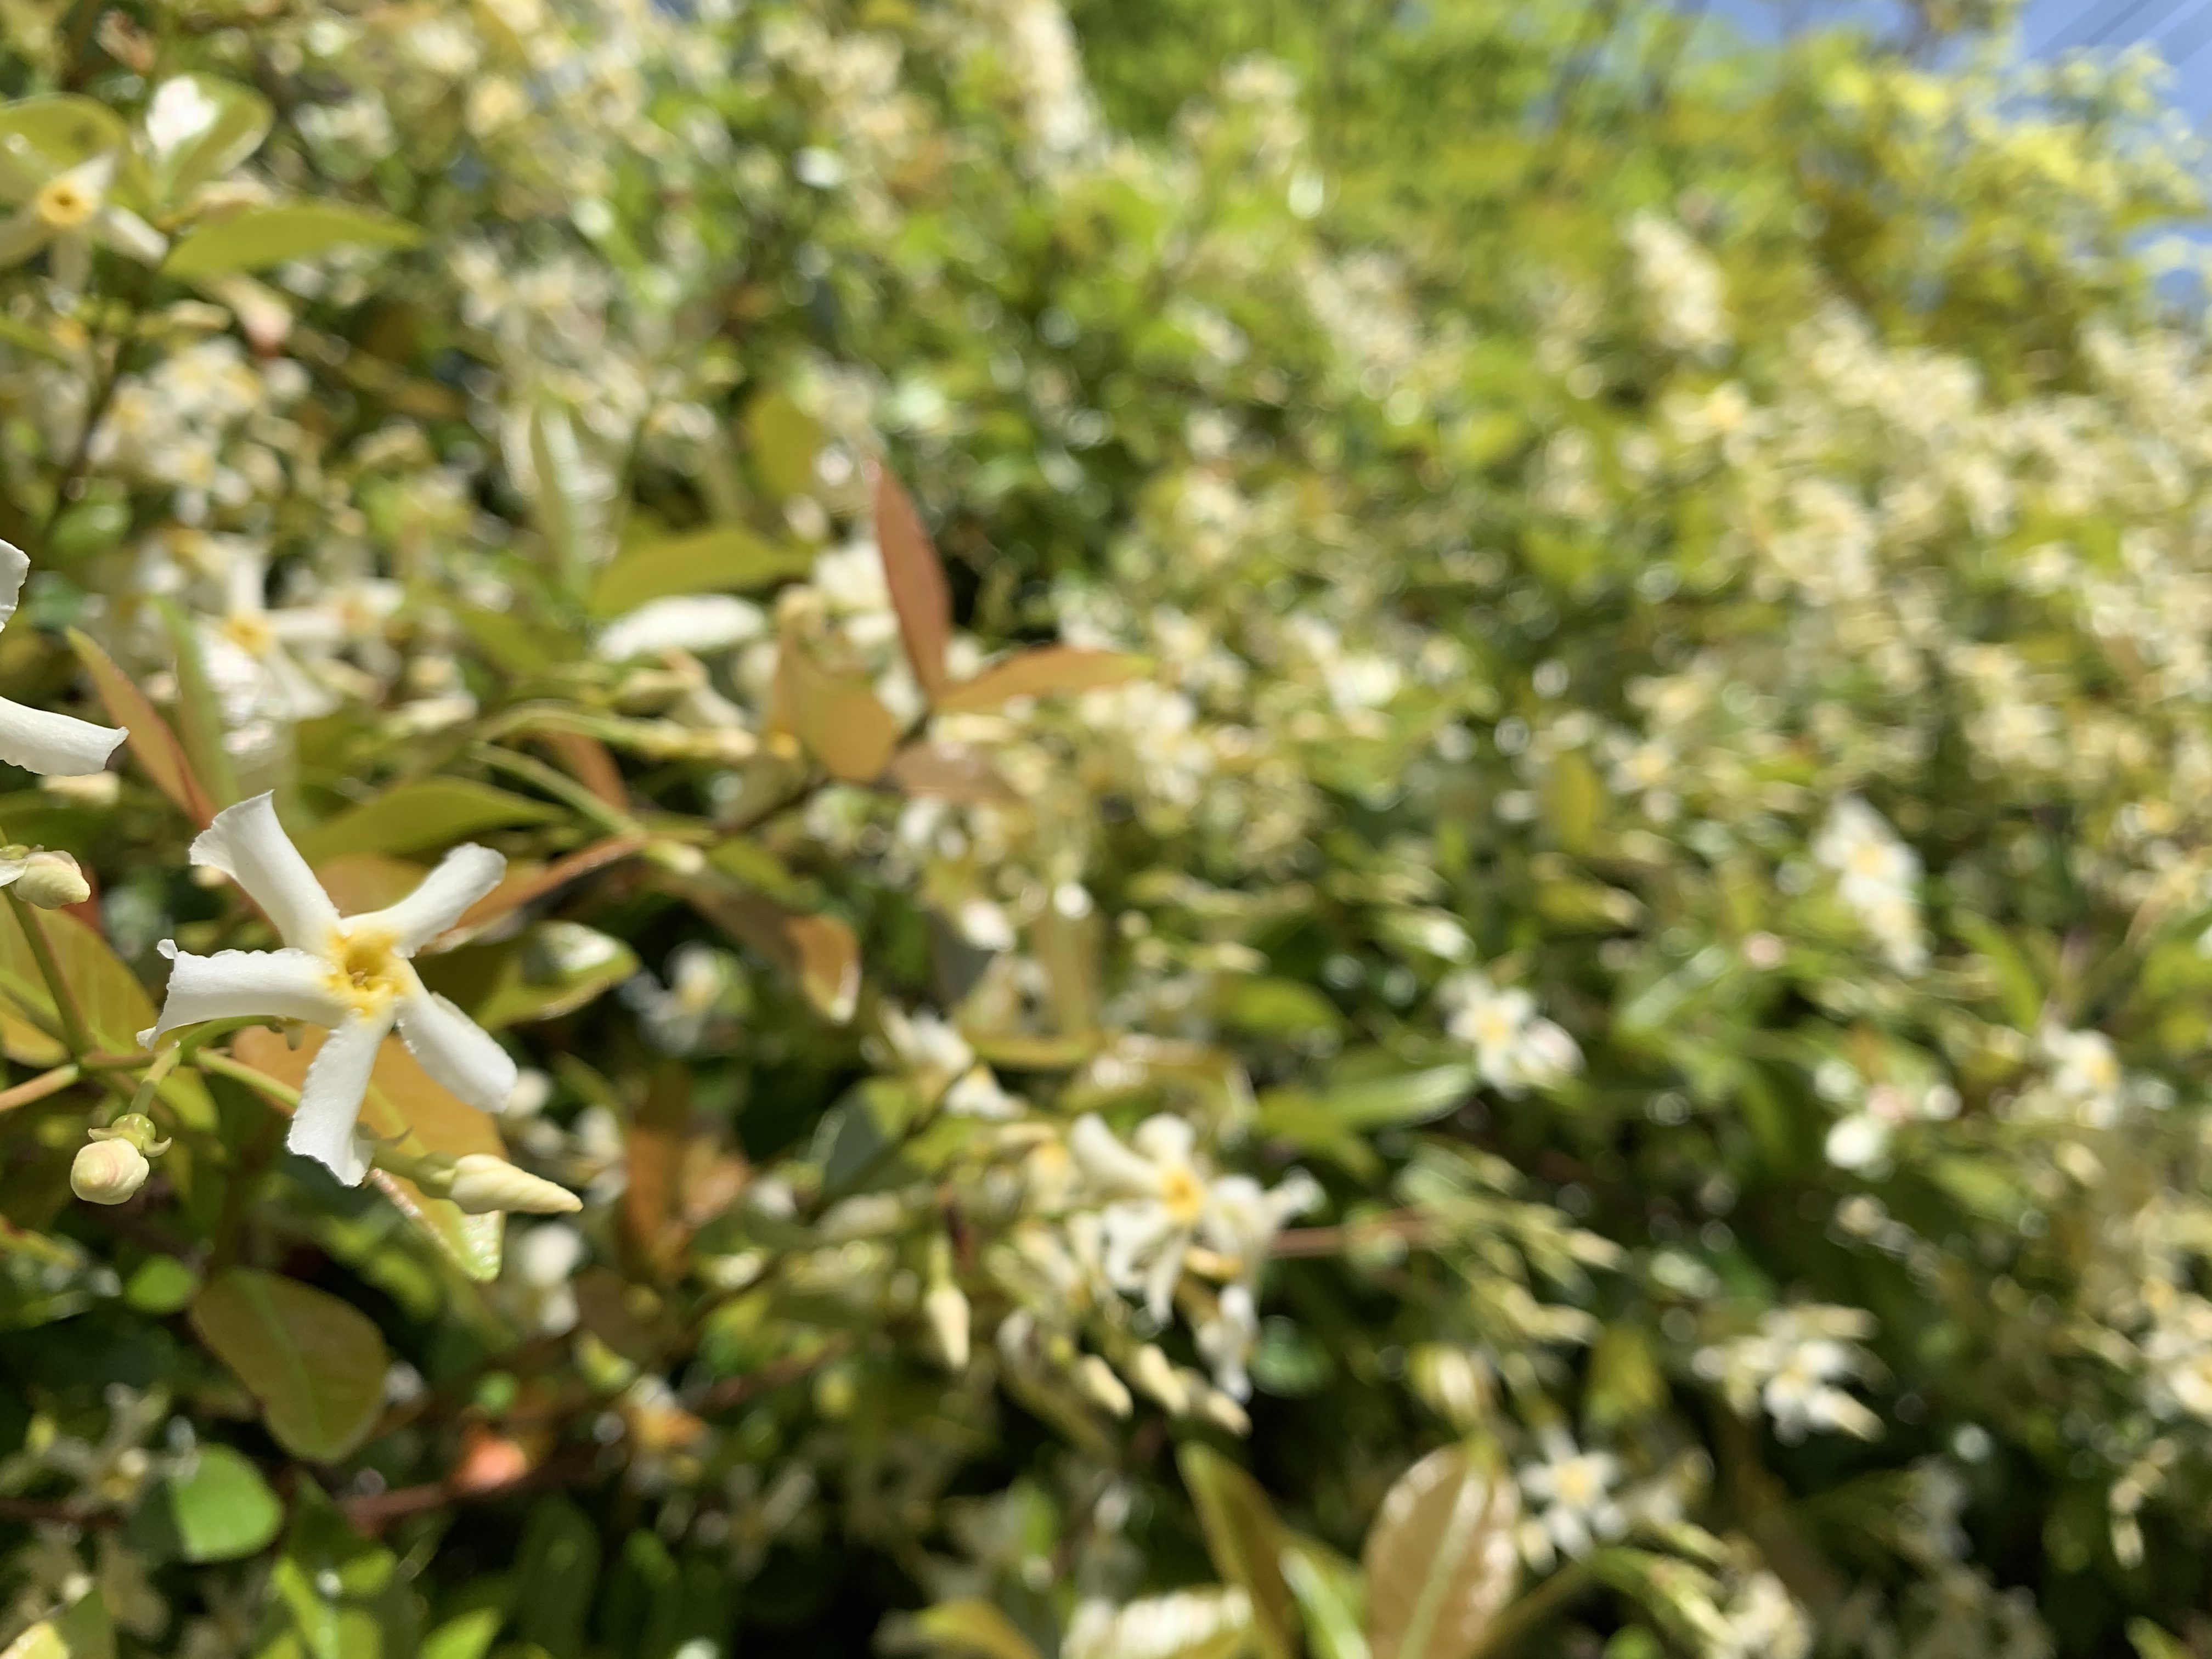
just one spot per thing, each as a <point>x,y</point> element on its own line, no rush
<point>58,745</point>
<point>352,974</point>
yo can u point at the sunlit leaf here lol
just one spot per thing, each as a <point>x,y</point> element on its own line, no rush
<point>260,237</point>
<point>433,812</point>
<point>1245,1541</point>
<point>1042,672</point>
<point>725,559</point>
<point>215,1507</point>
<point>1440,1559</point>
<point>971,1629</point>
<point>314,1363</point>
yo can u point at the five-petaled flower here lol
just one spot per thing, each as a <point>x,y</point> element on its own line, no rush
<point>352,974</point>
<point>56,745</point>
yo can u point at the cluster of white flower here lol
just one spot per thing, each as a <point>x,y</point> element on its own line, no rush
<point>1879,878</point>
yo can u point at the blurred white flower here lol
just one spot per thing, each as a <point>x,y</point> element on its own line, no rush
<point>1790,1368</point>
<point>1572,1490</point>
<point>1514,1047</point>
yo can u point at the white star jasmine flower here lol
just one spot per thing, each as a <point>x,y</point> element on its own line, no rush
<point>55,745</point>
<point>69,212</point>
<point>351,974</point>
<point>1163,1201</point>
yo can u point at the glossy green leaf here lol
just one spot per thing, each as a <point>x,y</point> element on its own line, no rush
<point>207,127</point>
<point>1331,1597</point>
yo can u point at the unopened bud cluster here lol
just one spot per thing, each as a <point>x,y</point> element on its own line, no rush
<point>51,880</point>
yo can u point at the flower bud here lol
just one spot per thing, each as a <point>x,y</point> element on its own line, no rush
<point>947,1310</point>
<point>1096,1378</point>
<point>1152,1371</point>
<point>51,881</point>
<point>482,1184</point>
<point>1224,1412</point>
<point>108,1171</point>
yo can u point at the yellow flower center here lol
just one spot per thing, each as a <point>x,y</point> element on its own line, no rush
<point>65,203</point>
<point>368,973</point>
<point>250,633</point>
<point>1184,1194</point>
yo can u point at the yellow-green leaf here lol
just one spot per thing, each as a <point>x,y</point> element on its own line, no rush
<point>234,120</point>
<point>836,716</point>
<point>261,237</point>
<point>717,561</point>
<point>1331,1594</point>
<point>1246,1543</point>
<point>314,1363</point>
<point>971,1628</point>
<point>433,812</point>
<point>83,1630</point>
<point>44,136</point>
<point>784,441</point>
<point>1440,1557</point>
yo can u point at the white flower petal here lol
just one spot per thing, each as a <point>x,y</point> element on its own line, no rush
<point>456,1051</point>
<point>329,1101</point>
<point>15,565</point>
<point>1107,1162</point>
<point>1164,1139</point>
<point>247,844</point>
<point>697,621</point>
<point>127,234</point>
<point>57,745</point>
<point>463,876</point>
<point>230,984</point>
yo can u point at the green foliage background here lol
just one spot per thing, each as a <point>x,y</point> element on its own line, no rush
<point>1616,672</point>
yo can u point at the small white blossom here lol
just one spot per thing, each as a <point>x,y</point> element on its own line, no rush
<point>351,974</point>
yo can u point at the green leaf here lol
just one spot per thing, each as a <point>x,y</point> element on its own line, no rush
<point>784,441</point>
<point>41,137</point>
<point>1440,1557</point>
<point>315,1364</point>
<point>1574,798</point>
<point>83,1630</point>
<point>556,1568</point>
<point>1278,1007</point>
<point>2150,1642</point>
<point>972,1629</point>
<point>333,1593</point>
<point>431,812</point>
<point>220,1510</point>
<point>1245,1542</point>
<point>232,122</point>
<point>464,1636</point>
<point>161,1284</point>
<point>115,1006</point>
<point>727,558</point>
<point>1331,1594</point>
<point>261,237</point>
<point>554,969</point>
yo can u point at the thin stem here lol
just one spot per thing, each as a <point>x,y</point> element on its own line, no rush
<point>279,1094</point>
<point>37,1088</point>
<point>562,788</point>
<point>74,1032</point>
